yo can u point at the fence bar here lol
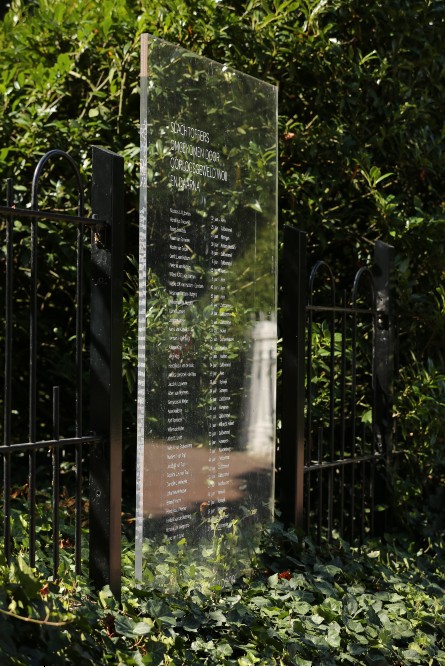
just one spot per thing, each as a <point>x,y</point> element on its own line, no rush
<point>309,441</point>
<point>32,424</point>
<point>331,424</point>
<point>383,372</point>
<point>336,309</point>
<point>352,502</point>
<point>56,216</point>
<point>8,378</point>
<point>56,480</point>
<point>294,319</point>
<point>343,412</point>
<point>79,379</point>
<point>363,486</point>
<point>49,444</point>
<point>320,484</point>
<point>106,370</point>
<point>353,419</point>
<point>78,512</point>
<point>308,508</point>
<point>346,463</point>
<point>309,455</point>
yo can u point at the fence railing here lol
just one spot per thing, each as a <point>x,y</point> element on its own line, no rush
<point>338,352</point>
<point>96,446</point>
<point>336,385</point>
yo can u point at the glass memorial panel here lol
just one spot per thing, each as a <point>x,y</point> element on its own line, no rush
<point>207,316</point>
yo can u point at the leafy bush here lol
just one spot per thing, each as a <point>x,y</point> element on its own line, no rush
<point>418,466</point>
<point>361,147</point>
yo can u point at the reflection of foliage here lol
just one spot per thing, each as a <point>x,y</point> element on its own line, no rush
<point>252,282</point>
<point>212,245</point>
<point>214,102</point>
<point>222,552</point>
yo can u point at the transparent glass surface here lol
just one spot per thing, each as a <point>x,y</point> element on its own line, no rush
<point>207,317</point>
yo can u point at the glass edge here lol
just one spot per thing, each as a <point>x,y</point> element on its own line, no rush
<point>146,37</point>
<point>140,415</point>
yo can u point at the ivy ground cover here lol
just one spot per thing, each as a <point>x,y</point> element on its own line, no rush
<point>378,604</point>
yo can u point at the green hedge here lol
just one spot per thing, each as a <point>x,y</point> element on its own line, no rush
<point>361,144</point>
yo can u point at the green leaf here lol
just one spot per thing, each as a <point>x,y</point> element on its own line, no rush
<point>191,623</point>
<point>223,650</point>
<point>256,206</point>
<point>260,600</point>
<point>107,22</point>
<point>350,604</point>
<point>301,607</point>
<point>354,626</point>
<point>367,416</point>
<point>142,628</point>
<point>333,635</point>
<point>317,619</point>
<point>330,609</point>
<point>124,626</point>
<point>217,616</point>
<point>273,580</point>
<point>106,596</point>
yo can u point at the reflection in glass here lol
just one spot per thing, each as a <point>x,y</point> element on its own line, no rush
<point>207,316</point>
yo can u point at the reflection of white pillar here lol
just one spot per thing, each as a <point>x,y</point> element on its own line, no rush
<point>261,398</point>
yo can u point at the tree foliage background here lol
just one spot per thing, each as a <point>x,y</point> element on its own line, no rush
<point>362,143</point>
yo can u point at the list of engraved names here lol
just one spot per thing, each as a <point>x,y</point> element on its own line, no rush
<point>185,287</point>
<point>191,161</point>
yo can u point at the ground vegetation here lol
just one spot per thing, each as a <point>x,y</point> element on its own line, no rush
<point>361,146</point>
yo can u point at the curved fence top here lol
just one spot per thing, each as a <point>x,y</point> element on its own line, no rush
<point>39,170</point>
<point>318,267</point>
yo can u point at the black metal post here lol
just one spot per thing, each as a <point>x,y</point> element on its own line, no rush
<point>383,372</point>
<point>106,370</point>
<point>293,394</point>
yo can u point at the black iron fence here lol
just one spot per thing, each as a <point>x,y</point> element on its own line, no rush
<point>337,379</point>
<point>338,351</point>
<point>94,447</point>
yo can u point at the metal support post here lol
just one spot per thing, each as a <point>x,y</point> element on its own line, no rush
<point>106,369</point>
<point>293,393</point>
